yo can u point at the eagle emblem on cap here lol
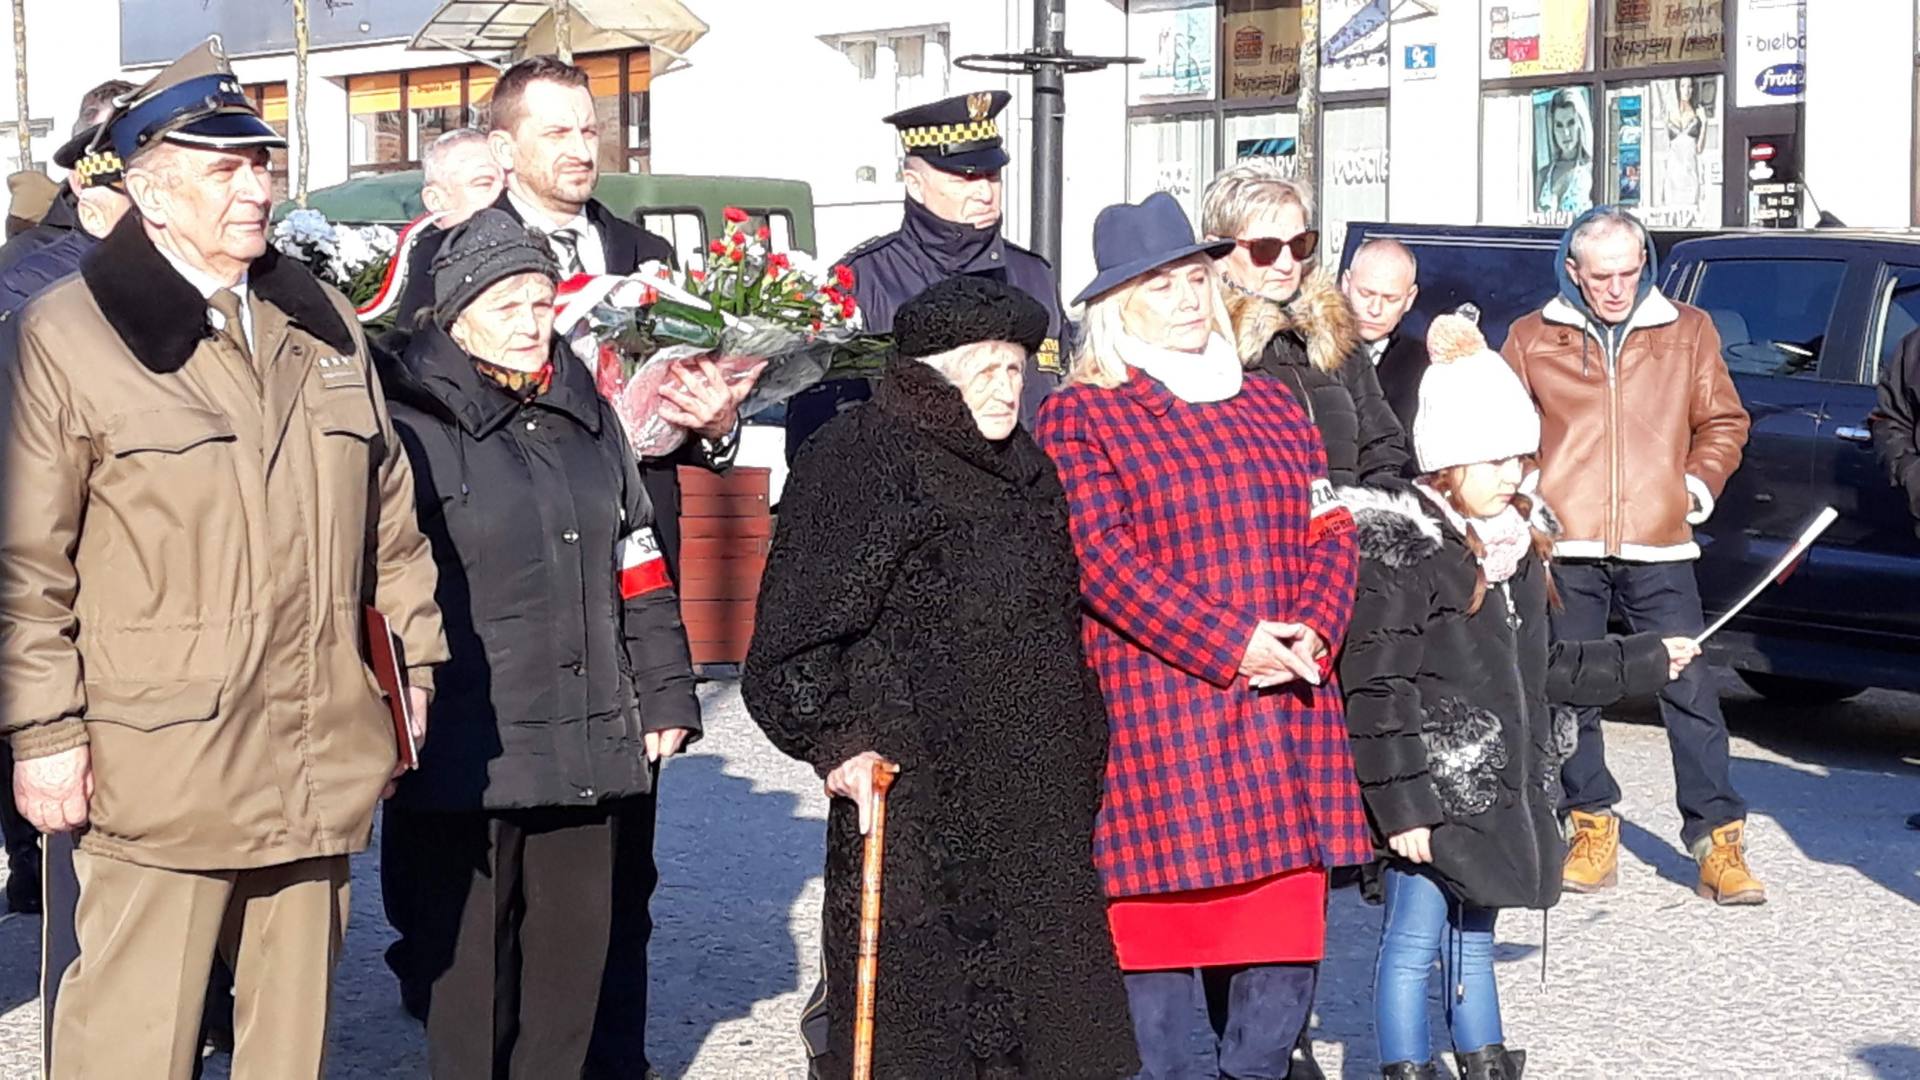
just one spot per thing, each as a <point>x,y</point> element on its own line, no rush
<point>978,105</point>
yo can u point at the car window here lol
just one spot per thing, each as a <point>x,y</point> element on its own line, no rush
<point>1505,279</point>
<point>1899,315</point>
<point>1772,314</point>
<point>684,230</point>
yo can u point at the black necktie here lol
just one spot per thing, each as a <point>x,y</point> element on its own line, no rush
<point>569,241</point>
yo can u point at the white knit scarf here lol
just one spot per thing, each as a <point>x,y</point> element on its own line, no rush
<point>1195,378</point>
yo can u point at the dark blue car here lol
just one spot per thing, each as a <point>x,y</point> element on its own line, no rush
<point>1806,319</point>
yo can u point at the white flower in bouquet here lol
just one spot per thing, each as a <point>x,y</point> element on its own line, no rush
<point>305,234</point>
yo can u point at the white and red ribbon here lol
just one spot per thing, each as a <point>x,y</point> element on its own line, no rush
<point>643,566</point>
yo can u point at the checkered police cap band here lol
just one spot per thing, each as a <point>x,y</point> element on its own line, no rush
<point>946,139</point>
<point>99,169</point>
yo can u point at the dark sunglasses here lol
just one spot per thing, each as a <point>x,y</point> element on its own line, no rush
<point>1267,249</point>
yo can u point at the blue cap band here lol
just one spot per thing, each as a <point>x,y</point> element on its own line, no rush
<point>193,99</point>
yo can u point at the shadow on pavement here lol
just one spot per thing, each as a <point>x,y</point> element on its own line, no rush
<point>19,982</point>
<point>1662,854</point>
<point>732,863</point>
<point>1891,1061</point>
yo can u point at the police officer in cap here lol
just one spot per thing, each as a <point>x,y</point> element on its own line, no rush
<point>954,154</point>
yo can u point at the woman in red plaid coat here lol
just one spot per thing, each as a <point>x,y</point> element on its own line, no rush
<point>1217,572</point>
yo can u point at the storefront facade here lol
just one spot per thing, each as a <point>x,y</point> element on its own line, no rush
<point>1515,112</point>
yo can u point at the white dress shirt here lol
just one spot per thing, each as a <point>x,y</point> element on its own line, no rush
<point>207,285</point>
<point>593,250</point>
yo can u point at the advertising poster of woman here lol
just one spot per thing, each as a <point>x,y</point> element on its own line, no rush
<point>1563,150</point>
<point>1686,128</point>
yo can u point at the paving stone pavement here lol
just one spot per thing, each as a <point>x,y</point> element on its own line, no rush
<point>1645,982</point>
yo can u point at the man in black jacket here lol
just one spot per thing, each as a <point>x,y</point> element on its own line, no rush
<point>1379,283</point>
<point>544,133</point>
<point>63,217</point>
<point>1895,423</point>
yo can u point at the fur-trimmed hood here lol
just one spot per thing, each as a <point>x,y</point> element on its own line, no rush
<point>162,319</point>
<point>1319,314</point>
<point>1401,527</point>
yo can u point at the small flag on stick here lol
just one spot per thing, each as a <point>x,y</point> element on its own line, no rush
<point>1781,570</point>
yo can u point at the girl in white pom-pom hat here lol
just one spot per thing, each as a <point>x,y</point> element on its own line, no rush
<point>1451,681</point>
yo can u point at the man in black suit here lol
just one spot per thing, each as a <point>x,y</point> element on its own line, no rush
<point>1379,283</point>
<point>545,135</point>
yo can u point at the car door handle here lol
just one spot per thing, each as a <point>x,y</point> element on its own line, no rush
<point>1853,434</point>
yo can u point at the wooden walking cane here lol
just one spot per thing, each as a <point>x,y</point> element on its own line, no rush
<point>869,968</point>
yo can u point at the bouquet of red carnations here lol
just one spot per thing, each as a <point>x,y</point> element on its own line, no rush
<point>748,306</point>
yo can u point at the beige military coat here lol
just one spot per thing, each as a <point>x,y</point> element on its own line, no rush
<point>187,543</point>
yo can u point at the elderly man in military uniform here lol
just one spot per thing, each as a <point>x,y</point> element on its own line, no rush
<point>205,492</point>
<point>954,154</point>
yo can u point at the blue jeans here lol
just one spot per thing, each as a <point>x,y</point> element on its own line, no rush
<point>1422,923</point>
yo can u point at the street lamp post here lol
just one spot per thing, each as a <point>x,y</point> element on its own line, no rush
<point>1049,63</point>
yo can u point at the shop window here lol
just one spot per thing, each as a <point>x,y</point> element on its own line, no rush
<point>1525,38</point>
<point>1772,314</point>
<point>1640,33</point>
<point>1354,173</point>
<point>433,106</point>
<point>1263,48</point>
<point>1538,156</point>
<point>1665,139</point>
<point>639,113</point>
<point>1176,39</point>
<point>1267,134</point>
<point>1353,51</point>
<point>395,116</point>
<point>270,100</point>
<point>603,75</point>
<point>378,133</point>
<point>1174,155</point>
<point>480,83</point>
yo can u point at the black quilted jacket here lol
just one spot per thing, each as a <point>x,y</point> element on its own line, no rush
<point>1453,716</point>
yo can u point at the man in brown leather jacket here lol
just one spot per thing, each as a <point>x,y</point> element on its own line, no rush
<point>1640,429</point>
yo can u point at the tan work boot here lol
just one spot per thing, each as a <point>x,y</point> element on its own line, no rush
<point>1593,855</point>
<point>1724,878</point>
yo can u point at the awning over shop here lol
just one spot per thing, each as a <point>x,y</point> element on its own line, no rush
<point>525,28</point>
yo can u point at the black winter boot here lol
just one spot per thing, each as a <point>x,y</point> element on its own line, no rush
<point>1491,1062</point>
<point>1302,1065</point>
<point>1407,1070</point>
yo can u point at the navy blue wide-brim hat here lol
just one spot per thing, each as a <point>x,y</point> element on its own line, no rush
<point>957,134</point>
<point>1130,240</point>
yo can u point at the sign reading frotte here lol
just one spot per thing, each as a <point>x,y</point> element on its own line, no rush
<point>1770,66</point>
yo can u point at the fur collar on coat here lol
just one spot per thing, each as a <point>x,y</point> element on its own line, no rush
<point>1319,315</point>
<point>1399,528</point>
<point>162,319</point>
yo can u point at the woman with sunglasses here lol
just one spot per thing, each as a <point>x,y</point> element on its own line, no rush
<point>1290,320</point>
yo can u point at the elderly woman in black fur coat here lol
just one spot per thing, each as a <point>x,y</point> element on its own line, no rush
<point>921,607</point>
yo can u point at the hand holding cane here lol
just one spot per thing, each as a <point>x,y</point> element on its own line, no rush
<point>869,967</point>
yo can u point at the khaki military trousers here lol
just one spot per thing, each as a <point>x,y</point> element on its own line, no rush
<point>129,1008</point>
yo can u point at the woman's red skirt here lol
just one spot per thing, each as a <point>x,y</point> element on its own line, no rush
<point>1276,920</point>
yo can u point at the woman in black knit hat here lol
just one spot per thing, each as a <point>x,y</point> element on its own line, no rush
<point>569,674</point>
<point>921,607</point>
